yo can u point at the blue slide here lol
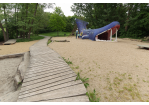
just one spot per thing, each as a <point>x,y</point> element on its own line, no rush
<point>102,33</point>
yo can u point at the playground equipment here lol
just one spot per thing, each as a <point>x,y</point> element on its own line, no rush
<point>101,34</point>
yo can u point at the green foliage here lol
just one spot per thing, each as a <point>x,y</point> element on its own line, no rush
<point>25,18</point>
<point>67,61</point>
<point>133,17</point>
<point>49,41</point>
<point>19,83</point>
<point>57,22</point>
<point>92,96</point>
<point>53,34</point>
<point>31,39</point>
<point>84,80</point>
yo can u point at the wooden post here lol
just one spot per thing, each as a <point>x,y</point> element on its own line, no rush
<point>116,35</point>
<point>111,35</point>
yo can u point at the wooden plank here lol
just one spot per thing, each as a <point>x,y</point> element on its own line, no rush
<point>44,90</point>
<point>39,76</point>
<point>43,86</point>
<point>58,70</point>
<point>32,68</point>
<point>48,64</point>
<point>50,78</point>
<point>82,98</point>
<point>144,46</point>
<point>53,55</point>
<point>33,61</point>
<point>43,62</point>
<point>41,68</point>
<point>45,69</point>
<point>60,93</point>
<point>10,41</point>
<point>46,59</point>
<point>44,83</point>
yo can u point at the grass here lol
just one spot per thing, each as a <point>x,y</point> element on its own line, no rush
<point>92,96</point>
<point>49,41</point>
<point>31,39</point>
<point>19,83</point>
<point>77,67</point>
<point>84,80</point>
<point>54,34</point>
<point>67,61</point>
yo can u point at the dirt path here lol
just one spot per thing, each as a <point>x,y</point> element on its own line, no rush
<point>118,71</point>
<point>19,47</point>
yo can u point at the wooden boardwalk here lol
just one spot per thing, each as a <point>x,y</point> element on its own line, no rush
<point>144,46</point>
<point>10,41</point>
<point>49,78</point>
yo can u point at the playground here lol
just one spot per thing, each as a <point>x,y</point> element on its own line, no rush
<point>118,71</point>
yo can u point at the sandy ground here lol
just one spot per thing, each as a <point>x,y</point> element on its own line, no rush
<point>118,71</point>
<point>19,47</point>
<point>8,69</point>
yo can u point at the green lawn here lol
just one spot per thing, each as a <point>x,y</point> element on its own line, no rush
<point>31,39</point>
<point>54,34</point>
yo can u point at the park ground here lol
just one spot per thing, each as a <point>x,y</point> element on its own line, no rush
<point>19,47</point>
<point>9,66</point>
<point>118,71</point>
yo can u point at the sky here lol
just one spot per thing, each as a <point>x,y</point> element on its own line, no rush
<point>66,4</point>
<point>65,7</point>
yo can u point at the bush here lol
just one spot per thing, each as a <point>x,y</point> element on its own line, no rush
<point>31,39</point>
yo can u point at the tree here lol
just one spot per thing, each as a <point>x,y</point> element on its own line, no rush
<point>57,22</point>
<point>100,14</point>
<point>21,18</point>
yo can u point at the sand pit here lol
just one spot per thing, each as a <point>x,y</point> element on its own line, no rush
<point>118,71</point>
<point>8,69</point>
<point>19,47</point>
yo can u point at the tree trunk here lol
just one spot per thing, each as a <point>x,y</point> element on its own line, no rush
<point>20,34</point>
<point>7,33</point>
<point>4,34</point>
<point>7,36</point>
<point>23,34</point>
<point>26,19</point>
<point>32,21</point>
<point>126,27</point>
<point>16,20</point>
<point>26,34</point>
